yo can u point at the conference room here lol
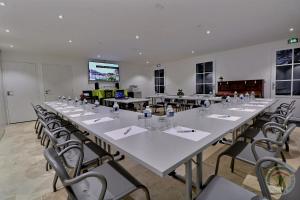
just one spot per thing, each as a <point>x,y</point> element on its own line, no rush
<point>149,100</point>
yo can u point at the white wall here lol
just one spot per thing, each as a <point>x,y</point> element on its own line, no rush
<point>253,62</point>
<point>2,105</point>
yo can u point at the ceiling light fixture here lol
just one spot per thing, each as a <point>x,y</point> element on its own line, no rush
<point>7,30</point>
<point>193,52</point>
<point>11,46</point>
<point>140,53</point>
<point>60,16</point>
<point>70,41</point>
<point>98,56</point>
<point>291,29</point>
<point>208,32</point>
<point>137,37</point>
<point>147,62</point>
<point>2,4</point>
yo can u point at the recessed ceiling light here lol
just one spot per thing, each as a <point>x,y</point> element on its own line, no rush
<point>193,52</point>
<point>147,62</point>
<point>208,32</point>
<point>60,16</point>
<point>7,30</point>
<point>11,46</point>
<point>137,37</point>
<point>98,56</point>
<point>291,29</point>
<point>2,4</point>
<point>140,53</point>
<point>70,41</point>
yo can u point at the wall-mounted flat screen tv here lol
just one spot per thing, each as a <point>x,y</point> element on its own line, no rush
<point>100,71</point>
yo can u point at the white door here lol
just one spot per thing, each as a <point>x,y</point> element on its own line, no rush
<point>58,81</point>
<point>21,89</point>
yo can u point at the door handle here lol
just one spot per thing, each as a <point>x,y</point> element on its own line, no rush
<point>47,91</point>
<point>10,93</point>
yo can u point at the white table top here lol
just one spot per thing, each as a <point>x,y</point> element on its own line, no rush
<point>158,151</point>
<point>194,97</point>
<point>128,100</point>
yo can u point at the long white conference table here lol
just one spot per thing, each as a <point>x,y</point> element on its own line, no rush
<point>160,148</point>
<point>195,98</point>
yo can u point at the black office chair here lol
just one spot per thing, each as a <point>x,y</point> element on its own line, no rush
<point>108,181</point>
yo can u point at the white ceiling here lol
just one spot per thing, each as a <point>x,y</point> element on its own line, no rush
<point>168,29</point>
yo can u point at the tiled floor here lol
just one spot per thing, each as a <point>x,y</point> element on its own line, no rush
<point>23,175</point>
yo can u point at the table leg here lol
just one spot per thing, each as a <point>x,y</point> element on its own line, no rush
<point>199,174</point>
<point>188,177</point>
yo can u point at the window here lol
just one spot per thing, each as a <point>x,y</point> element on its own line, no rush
<point>159,80</point>
<point>288,72</point>
<point>204,78</point>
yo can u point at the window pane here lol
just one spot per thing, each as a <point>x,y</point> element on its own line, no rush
<point>296,71</point>
<point>200,68</point>
<point>161,89</point>
<point>297,55</point>
<point>199,78</point>
<point>284,72</point>
<point>283,87</point>
<point>156,89</point>
<point>156,73</point>
<point>208,78</point>
<point>161,73</point>
<point>199,89</point>
<point>209,67</point>
<point>161,81</point>
<point>156,81</point>
<point>284,57</point>
<point>208,88</point>
<point>296,88</point>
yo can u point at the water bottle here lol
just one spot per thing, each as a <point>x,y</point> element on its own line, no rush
<point>85,103</point>
<point>252,95</point>
<point>235,97</point>
<point>170,115</point>
<point>206,103</point>
<point>59,98</point>
<point>69,100</point>
<point>147,116</point>
<point>76,101</point>
<point>242,98</point>
<point>228,100</point>
<point>116,109</point>
<point>97,104</point>
<point>247,97</point>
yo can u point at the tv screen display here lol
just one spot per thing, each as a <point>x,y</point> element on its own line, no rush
<point>99,71</point>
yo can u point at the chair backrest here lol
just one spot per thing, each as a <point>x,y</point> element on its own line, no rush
<point>293,193</point>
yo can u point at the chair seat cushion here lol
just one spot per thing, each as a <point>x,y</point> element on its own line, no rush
<point>220,188</point>
<point>119,183</point>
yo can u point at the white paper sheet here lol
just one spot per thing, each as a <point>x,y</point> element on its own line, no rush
<point>120,133</point>
<point>194,136</point>
<point>82,114</point>
<point>255,105</point>
<point>242,109</point>
<point>224,117</point>
<point>97,120</point>
<point>69,111</point>
<point>259,102</point>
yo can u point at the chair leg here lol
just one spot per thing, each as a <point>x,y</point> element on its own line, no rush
<point>282,156</point>
<point>47,166</point>
<point>287,147</point>
<point>48,142</point>
<point>232,164</point>
<point>55,182</point>
<point>218,163</point>
<point>146,191</point>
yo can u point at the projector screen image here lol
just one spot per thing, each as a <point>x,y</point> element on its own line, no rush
<point>103,72</point>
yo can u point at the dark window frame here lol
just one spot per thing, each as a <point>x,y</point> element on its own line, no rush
<point>204,69</point>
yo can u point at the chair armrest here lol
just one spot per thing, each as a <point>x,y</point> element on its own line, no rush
<point>80,178</point>
<point>272,125</point>
<point>264,140</point>
<point>68,142</point>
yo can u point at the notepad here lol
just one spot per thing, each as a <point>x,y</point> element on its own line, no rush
<point>97,120</point>
<point>125,132</point>
<point>257,105</point>
<point>259,102</point>
<point>195,136</point>
<point>82,114</point>
<point>76,110</point>
<point>242,109</point>
<point>224,117</point>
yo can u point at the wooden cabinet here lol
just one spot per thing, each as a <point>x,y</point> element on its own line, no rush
<point>227,88</point>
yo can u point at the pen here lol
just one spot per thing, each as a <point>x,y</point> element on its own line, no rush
<point>96,120</point>
<point>186,131</point>
<point>127,131</point>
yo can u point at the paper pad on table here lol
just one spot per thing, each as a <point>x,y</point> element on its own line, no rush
<point>258,102</point>
<point>68,111</point>
<point>242,109</point>
<point>257,105</point>
<point>97,120</point>
<point>224,117</point>
<point>194,136</point>
<point>121,133</point>
<point>82,114</point>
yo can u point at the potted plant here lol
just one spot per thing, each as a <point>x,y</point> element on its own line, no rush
<point>180,93</point>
